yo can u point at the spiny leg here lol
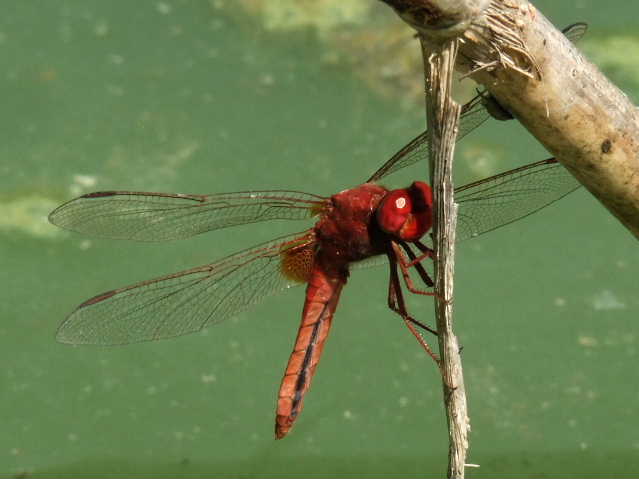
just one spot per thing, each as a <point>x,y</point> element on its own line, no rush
<point>404,265</point>
<point>424,276</point>
<point>395,290</point>
<point>424,249</point>
<point>396,303</point>
<point>428,252</point>
<point>392,304</point>
<point>416,262</point>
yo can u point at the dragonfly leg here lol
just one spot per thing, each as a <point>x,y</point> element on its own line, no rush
<point>415,261</point>
<point>396,299</point>
<point>396,303</point>
<point>404,265</point>
<point>423,248</point>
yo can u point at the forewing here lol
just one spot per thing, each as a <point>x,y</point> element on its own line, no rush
<point>473,114</point>
<point>145,216</point>
<point>183,302</point>
<point>575,31</point>
<point>493,202</point>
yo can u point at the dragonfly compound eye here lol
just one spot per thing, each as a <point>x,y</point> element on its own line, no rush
<point>421,218</point>
<point>393,211</point>
<point>406,213</point>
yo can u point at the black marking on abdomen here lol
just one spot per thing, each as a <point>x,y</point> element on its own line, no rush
<point>301,379</point>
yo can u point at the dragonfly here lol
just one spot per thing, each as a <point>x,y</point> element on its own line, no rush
<point>363,222</point>
<point>351,227</point>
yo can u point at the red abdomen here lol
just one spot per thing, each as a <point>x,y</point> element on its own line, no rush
<point>322,295</point>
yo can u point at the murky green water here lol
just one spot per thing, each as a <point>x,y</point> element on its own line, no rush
<point>197,96</point>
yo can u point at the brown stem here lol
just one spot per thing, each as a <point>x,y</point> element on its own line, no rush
<point>443,120</point>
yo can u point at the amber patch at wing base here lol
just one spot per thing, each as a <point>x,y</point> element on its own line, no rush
<point>296,260</point>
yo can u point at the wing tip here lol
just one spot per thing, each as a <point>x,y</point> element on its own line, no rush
<point>51,217</point>
<point>57,218</point>
<point>66,334</point>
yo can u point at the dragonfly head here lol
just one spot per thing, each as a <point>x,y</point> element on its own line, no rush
<point>406,213</point>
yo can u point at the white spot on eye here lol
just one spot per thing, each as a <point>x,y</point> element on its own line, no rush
<point>400,203</point>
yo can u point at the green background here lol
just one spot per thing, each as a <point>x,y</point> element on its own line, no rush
<point>207,96</point>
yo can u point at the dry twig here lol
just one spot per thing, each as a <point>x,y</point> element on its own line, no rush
<point>443,120</point>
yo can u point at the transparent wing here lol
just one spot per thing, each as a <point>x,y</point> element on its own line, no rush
<point>187,301</point>
<point>145,216</point>
<point>575,31</point>
<point>493,202</point>
<point>473,114</point>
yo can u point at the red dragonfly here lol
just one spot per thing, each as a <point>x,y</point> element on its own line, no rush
<point>356,224</point>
